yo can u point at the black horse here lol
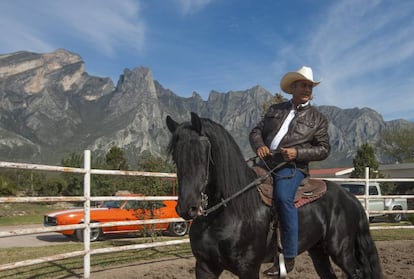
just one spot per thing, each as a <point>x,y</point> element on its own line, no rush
<point>238,236</point>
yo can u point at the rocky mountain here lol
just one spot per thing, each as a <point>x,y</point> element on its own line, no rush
<point>51,107</point>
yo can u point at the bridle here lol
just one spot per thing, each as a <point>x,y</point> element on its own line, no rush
<point>209,158</point>
<point>204,196</point>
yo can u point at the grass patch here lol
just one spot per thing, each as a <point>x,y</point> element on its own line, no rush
<point>74,266</point>
<point>392,234</point>
<point>20,214</point>
<point>27,213</point>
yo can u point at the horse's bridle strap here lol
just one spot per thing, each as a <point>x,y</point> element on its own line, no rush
<point>209,158</point>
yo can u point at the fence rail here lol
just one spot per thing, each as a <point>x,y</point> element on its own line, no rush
<point>87,225</point>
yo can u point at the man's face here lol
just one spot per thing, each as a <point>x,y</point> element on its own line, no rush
<point>301,91</point>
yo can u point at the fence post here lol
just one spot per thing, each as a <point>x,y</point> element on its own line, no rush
<point>367,191</point>
<point>87,210</point>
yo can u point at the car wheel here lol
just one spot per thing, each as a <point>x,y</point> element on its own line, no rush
<point>178,229</point>
<point>96,234</point>
<point>395,218</point>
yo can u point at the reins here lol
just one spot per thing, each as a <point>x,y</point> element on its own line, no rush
<point>255,182</point>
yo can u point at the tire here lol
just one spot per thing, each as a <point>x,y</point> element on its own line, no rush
<point>179,229</point>
<point>96,234</point>
<point>395,218</point>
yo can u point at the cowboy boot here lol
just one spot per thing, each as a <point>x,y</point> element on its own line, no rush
<point>274,269</point>
<point>290,264</point>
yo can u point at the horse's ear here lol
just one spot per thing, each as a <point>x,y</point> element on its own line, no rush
<point>171,124</point>
<point>196,122</point>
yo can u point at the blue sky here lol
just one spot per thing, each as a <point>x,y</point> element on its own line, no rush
<point>362,51</point>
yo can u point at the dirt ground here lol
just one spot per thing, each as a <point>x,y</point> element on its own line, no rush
<point>397,260</point>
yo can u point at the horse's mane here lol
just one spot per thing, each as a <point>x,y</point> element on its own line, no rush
<point>232,172</point>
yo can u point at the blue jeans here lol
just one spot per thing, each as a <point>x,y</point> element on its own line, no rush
<point>286,181</point>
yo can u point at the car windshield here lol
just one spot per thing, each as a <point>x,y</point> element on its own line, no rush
<point>150,205</point>
<point>112,204</point>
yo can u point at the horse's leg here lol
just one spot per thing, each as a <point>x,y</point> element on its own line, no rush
<point>344,257</point>
<point>321,262</point>
<point>347,262</point>
<point>203,271</point>
<point>251,273</point>
<point>357,256</point>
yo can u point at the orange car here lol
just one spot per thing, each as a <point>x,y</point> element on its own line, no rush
<point>127,210</point>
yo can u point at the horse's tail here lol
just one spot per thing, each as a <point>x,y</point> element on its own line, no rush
<point>366,251</point>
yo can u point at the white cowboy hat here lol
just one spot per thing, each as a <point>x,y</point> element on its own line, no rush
<point>304,73</point>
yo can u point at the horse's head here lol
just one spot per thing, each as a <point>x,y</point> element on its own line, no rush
<point>191,152</point>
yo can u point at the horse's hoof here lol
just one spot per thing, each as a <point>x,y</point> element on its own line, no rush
<point>272,272</point>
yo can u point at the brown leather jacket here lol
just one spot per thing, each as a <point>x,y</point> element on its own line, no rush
<point>308,133</point>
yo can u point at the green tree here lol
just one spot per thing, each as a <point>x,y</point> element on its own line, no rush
<point>52,185</point>
<point>398,143</point>
<point>115,159</point>
<point>276,99</point>
<point>23,180</point>
<point>155,164</point>
<point>104,185</point>
<point>154,185</point>
<point>35,183</point>
<point>73,160</point>
<point>7,188</point>
<point>73,182</point>
<point>73,185</point>
<point>365,157</point>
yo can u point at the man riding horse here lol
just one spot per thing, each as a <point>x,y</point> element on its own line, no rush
<point>299,132</point>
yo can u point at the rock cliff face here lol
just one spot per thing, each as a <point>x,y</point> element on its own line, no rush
<point>51,107</point>
<point>44,97</point>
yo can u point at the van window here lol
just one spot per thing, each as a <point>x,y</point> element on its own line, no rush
<point>373,191</point>
<point>355,189</point>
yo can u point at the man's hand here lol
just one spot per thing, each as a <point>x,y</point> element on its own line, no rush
<point>289,154</point>
<point>263,152</point>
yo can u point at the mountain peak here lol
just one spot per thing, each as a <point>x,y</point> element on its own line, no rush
<point>30,71</point>
<point>51,107</point>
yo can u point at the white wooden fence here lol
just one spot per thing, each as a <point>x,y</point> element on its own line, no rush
<point>366,197</point>
<point>87,225</point>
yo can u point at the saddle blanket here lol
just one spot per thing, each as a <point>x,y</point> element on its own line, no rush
<point>310,189</point>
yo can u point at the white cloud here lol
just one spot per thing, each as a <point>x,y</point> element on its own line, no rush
<point>363,49</point>
<point>104,25</point>
<point>21,37</point>
<point>189,7</point>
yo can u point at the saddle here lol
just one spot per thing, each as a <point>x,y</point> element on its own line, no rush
<point>309,190</point>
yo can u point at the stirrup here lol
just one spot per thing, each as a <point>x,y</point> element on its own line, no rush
<point>282,266</point>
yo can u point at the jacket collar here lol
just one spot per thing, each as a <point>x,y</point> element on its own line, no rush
<point>301,106</point>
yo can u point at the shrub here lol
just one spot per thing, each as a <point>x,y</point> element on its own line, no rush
<point>410,218</point>
<point>7,188</point>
